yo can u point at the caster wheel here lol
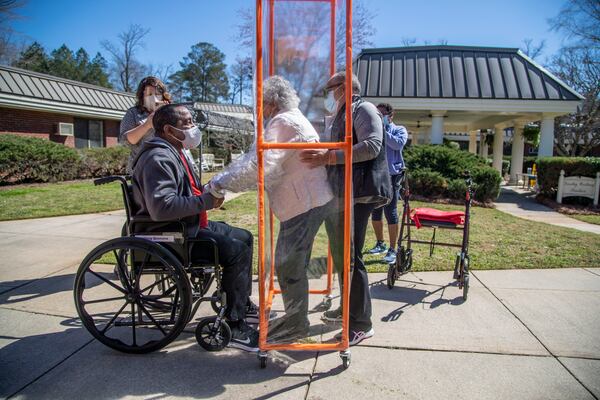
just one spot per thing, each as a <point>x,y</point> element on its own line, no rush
<point>212,337</point>
<point>214,303</point>
<point>346,359</point>
<point>262,359</point>
<point>465,287</point>
<point>391,276</point>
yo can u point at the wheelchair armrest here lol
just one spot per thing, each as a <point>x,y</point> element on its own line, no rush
<point>156,226</point>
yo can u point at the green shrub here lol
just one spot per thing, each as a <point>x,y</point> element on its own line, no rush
<point>486,182</point>
<point>440,166</point>
<point>103,161</point>
<point>427,183</point>
<point>26,159</point>
<point>548,170</point>
<point>457,189</point>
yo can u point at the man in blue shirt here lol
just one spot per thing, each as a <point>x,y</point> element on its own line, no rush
<point>396,138</point>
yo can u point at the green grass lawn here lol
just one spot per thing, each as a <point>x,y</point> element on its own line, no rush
<point>63,198</point>
<point>592,219</point>
<point>498,240</point>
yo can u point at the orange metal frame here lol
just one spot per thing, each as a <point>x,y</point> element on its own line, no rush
<point>266,296</point>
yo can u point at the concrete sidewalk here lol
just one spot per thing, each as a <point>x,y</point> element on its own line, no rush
<point>522,204</point>
<point>527,334</point>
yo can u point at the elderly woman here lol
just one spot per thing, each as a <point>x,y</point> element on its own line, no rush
<point>298,196</point>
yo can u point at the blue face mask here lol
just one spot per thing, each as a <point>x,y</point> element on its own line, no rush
<point>386,120</point>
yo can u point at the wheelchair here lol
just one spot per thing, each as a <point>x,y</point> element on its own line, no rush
<point>434,219</point>
<point>136,293</point>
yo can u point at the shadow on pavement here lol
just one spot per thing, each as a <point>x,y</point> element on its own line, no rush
<point>411,296</point>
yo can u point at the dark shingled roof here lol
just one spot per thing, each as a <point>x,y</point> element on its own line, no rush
<point>457,72</point>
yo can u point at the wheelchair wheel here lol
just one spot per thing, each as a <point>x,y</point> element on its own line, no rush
<point>140,309</point>
<point>213,336</point>
<point>391,276</point>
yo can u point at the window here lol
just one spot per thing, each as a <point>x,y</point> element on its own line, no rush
<point>88,133</point>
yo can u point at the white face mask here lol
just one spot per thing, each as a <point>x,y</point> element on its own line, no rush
<point>151,100</point>
<point>330,103</point>
<point>193,137</point>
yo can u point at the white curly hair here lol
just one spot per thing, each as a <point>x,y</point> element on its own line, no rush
<point>279,92</point>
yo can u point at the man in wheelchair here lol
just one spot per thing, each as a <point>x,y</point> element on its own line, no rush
<point>166,188</point>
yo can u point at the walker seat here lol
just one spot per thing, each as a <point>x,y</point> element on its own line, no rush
<point>431,217</point>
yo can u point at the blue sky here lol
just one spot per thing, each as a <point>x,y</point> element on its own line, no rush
<point>178,24</point>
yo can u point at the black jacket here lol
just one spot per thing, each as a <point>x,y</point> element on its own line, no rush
<point>161,188</point>
<point>371,178</point>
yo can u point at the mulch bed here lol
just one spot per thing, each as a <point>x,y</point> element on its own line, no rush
<point>568,209</point>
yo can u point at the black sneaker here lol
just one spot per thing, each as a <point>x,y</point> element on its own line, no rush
<point>379,248</point>
<point>332,315</point>
<point>252,316</point>
<point>244,337</point>
<point>355,337</point>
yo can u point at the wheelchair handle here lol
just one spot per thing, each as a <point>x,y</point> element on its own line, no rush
<point>109,179</point>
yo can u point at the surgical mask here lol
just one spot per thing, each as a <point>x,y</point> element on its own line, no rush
<point>150,102</point>
<point>386,120</point>
<point>192,139</point>
<point>330,103</point>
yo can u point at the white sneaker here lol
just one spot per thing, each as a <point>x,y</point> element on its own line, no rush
<point>357,336</point>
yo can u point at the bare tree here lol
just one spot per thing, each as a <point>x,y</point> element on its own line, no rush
<point>161,71</point>
<point>533,50</point>
<point>578,65</point>
<point>127,69</point>
<point>10,43</point>
<point>576,134</point>
<point>302,43</point>
<point>406,41</point>
<point>580,21</point>
<point>240,78</point>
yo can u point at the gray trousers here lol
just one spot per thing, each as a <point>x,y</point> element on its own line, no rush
<point>292,255</point>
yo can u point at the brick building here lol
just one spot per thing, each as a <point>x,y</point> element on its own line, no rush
<point>61,110</point>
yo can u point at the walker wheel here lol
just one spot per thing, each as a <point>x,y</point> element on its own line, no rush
<point>346,358</point>
<point>391,276</point>
<point>262,359</point>
<point>406,261</point>
<point>212,337</point>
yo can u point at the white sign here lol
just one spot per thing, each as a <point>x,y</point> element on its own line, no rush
<point>578,186</point>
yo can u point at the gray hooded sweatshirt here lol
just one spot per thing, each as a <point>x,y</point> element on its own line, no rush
<point>161,188</point>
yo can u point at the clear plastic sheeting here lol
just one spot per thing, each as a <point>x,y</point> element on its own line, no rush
<point>302,213</point>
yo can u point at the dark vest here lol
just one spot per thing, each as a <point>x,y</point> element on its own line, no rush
<point>370,179</point>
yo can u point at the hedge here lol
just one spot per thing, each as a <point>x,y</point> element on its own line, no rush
<point>548,170</point>
<point>439,171</point>
<point>25,160</point>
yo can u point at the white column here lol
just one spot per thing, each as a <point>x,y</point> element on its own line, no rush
<point>473,142</point>
<point>516,160</point>
<point>415,137</point>
<point>498,147</point>
<point>483,147</point>
<point>437,127</point>
<point>546,148</point>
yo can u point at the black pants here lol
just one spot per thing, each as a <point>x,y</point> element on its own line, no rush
<point>360,297</point>
<point>391,209</point>
<point>292,256</point>
<point>235,256</point>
